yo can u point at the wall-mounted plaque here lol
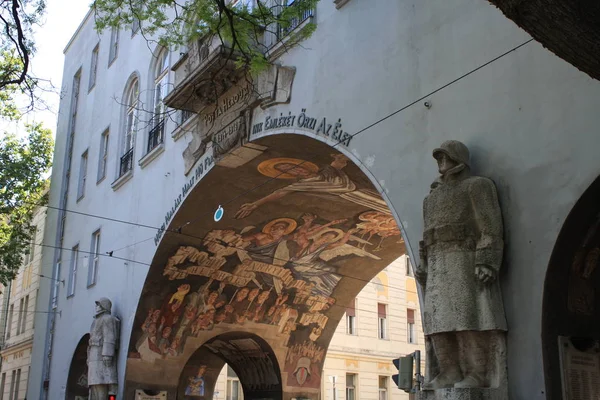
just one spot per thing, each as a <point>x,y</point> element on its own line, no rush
<point>580,364</point>
<point>154,395</point>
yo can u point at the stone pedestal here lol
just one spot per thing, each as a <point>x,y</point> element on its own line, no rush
<point>464,394</point>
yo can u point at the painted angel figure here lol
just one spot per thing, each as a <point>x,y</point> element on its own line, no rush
<point>312,262</point>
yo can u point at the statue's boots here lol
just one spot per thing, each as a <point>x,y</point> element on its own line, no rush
<point>477,365</point>
<point>445,379</point>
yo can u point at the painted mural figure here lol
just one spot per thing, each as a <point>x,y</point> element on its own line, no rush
<point>331,180</point>
<point>461,255</point>
<point>102,352</point>
<point>196,383</point>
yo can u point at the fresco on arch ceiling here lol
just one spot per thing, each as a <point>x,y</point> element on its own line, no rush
<point>277,265</point>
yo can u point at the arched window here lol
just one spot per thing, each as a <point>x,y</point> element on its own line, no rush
<point>161,81</point>
<point>130,128</point>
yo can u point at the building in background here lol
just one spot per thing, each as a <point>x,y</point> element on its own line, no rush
<point>383,323</point>
<point>18,301</point>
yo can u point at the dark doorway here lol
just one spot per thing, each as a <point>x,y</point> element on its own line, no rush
<point>249,359</point>
<point>571,304</point>
<point>77,387</point>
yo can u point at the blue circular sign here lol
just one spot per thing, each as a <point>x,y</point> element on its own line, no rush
<point>219,214</point>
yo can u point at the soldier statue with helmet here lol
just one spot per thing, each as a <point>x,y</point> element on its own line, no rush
<point>460,258</point>
<point>102,352</point>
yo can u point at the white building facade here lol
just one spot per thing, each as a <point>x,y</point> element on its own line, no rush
<point>135,194</point>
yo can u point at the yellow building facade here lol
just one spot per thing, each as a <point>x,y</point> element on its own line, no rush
<point>384,323</point>
<point>18,301</point>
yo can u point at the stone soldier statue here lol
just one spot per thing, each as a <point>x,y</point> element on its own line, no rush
<point>461,255</point>
<point>102,352</point>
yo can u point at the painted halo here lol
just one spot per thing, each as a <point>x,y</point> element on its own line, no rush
<point>339,234</point>
<point>269,167</point>
<point>291,225</point>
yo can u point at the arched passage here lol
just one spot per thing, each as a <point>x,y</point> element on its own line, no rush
<point>247,354</point>
<point>77,386</point>
<point>571,308</point>
<point>304,233</point>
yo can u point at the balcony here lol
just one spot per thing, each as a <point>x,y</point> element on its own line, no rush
<point>126,163</point>
<point>283,31</point>
<point>156,136</point>
<point>205,72</point>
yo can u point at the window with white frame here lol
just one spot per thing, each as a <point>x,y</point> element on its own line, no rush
<point>234,388</point>
<point>56,280</point>
<point>94,67</point>
<point>73,271</point>
<point>382,320</point>
<point>114,45</point>
<point>383,388</point>
<point>15,394</point>
<point>82,175</point>
<point>411,335</point>
<point>351,318</point>
<point>94,258</point>
<point>161,86</point>
<point>103,156</point>
<point>351,386</point>
<point>12,385</point>
<point>130,128</point>
<point>407,265</point>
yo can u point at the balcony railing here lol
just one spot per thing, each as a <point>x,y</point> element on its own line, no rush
<point>126,162</point>
<point>283,31</point>
<point>156,135</point>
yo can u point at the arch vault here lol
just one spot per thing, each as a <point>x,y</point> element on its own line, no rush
<point>308,231</point>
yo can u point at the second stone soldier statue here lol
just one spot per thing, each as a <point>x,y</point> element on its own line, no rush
<point>102,352</point>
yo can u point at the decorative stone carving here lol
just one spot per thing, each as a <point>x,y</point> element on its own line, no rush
<point>461,255</point>
<point>102,352</point>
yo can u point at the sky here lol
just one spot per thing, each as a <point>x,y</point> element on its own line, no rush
<point>60,23</point>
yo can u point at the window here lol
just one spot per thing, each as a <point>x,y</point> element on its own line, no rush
<point>350,386</point>
<point>407,265</point>
<point>383,385</point>
<point>94,67</point>
<point>351,318</point>
<point>9,323</point>
<point>24,312</point>
<point>382,318</point>
<point>2,385</point>
<point>20,316</point>
<point>114,45</point>
<point>130,128</point>
<point>18,380</point>
<point>161,82</point>
<point>56,281</point>
<point>234,389</point>
<point>410,326</point>
<point>82,175</point>
<point>31,251</point>
<point>94,258</point>
<point>73,271</point>
<point>11,393</point>
<point>103,156</point>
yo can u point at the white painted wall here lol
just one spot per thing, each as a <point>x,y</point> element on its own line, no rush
<point>530,120</point>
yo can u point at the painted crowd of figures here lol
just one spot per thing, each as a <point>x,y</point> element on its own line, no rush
<point>281,275</point>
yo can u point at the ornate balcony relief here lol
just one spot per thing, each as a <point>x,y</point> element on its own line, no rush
<point>224,123</point>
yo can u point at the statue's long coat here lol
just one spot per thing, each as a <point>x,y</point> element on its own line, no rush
<point>463,228</point>
<point>104,339</point>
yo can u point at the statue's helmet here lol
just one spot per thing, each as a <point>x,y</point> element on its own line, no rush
<point>455,150</point>
<point>105,304</point>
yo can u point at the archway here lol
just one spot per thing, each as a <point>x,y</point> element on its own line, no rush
<point>304,232</point>
<point>251,358</point>
<point>571,307</point>
<point>77,387</point>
